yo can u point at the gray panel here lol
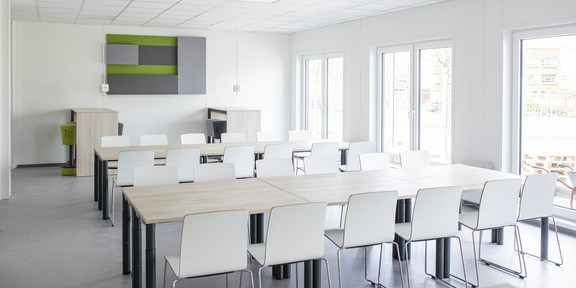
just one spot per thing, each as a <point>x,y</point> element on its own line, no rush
<point>157,55</point>
<point>191,65</point>
<point>143,84</point>
<point>122,54</point>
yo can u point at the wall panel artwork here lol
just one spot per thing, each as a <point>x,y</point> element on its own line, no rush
<point>138,64</point>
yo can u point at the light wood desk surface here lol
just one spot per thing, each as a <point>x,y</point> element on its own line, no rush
<point>470,178</point>
<point>211,149</point>
<point>335,189</point>
<point>168,203</point>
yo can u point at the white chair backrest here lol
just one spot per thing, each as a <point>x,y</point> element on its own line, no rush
<point>153,140</point>
<point>129,160</point>
<point>374,161</point>
<point>243,159</point>
<point>435,213</point>
<point>184,159</point>
<point>537,199</point>
<point>155,175</point>
<point>354,152</point>
<point>298,135</point>
<point>320,165</point>
<point>295,233</point>
<point>233,137</point>
<point>274,167</point>
<point>267,136</point>
<point>324,149</point>
<point>376,210</point>
<point>214,172</point>
<point>193,138</point>
<point>115,141</point>
<point>278,151</point>
<point>213,243</point>
<point>414,159</point>
<point>498,205</point>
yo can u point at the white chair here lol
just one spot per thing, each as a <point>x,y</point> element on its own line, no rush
<point>537,201</point>
<point>374,161</point>
<point>127,161</point>
<point>267,136</point>
<point>414,159</point>
<point>243,159</point>
<point>153,140</point>
<point>155,175</point>
<point>184,159</point>
<point>353,156</point>
<point>369,221</point>
<point>115,141</point>
<point>320,165</point>
<point>299,135</point>
<point>434,216</point>
<point>498,208</point>
<point>211,244</point>
<point>274,167</point>
<point>214,172</point>
<point>233,137</point>
<point>320,149</point>
<point>193,138</point>
<point>295,233</point>
<point>278,151</point>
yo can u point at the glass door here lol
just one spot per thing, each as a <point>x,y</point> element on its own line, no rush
<point>324,95</point>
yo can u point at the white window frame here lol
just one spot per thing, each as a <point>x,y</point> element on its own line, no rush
<point>304,95</point>
<point>414,48</point>
<point>516,113</point>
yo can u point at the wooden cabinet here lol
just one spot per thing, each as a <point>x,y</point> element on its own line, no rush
<point>238,120</point>
<point>91,125</point>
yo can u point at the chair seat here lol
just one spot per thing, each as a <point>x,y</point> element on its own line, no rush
<point>469,220</point>
<point>174,262</point>
<point>258,252</point>
<point>403,230</point>
<point>336,236</point>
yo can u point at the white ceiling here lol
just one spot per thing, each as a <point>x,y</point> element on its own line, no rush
<point>283,16</point>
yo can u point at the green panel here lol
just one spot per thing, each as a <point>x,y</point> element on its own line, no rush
<point>141,40</point>
<point>142,69</point>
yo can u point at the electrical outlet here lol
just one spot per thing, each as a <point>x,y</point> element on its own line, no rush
<point>104,88</point>
<point>236,88</point>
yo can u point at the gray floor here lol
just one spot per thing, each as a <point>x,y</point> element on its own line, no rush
<point>52,235</point>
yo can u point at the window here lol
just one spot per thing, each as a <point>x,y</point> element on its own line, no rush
<point>416,95</point>
<point>324,95</point>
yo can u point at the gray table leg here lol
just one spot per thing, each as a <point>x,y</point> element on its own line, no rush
<point>544,228</point>
<point>308,271</point>
<point>96,177</point>
<point>447,247</point>
<point>343,157</point>
<point>150,255</point>
<point>104,188</point>
<point>317,274</point>
<point>125,236</point>
<point>136,251</point>
<point>400,218</point>
<point>440,257</point>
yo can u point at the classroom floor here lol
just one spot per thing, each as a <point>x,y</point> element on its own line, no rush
<point>53,235</point>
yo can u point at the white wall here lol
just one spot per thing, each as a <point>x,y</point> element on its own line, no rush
<point>5,103</point>
<point>60,66</point>
<point>481,103</point>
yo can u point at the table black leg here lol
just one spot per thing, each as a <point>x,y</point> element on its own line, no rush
<point>104,188</point>
<point>150,255</point>
<point>317,274</point>
<point>308,271</point>
<point>440,258</point>
<point>544,229</point>
<point>96,176</point>
<point>136,251</point>
<point>278,272</point>
<point>500,237</point>
<point>343,157</point>
<point>260,228</point>
<point>100,183</point>
<point>400,218</point>
<point>286,269</point>
<point>253,230</point>
<point>408,218</point>
<point>125,236</point>
<point>447,246</point>
<point>494,236</point>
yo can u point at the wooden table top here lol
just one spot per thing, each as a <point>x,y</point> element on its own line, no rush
<point>470,178</point>
<point>168,203</point>
<point>211,149</point>
<point>335,189</point>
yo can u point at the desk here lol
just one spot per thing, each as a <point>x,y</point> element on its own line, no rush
<point>104,154</point>
<point>169,203</point>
